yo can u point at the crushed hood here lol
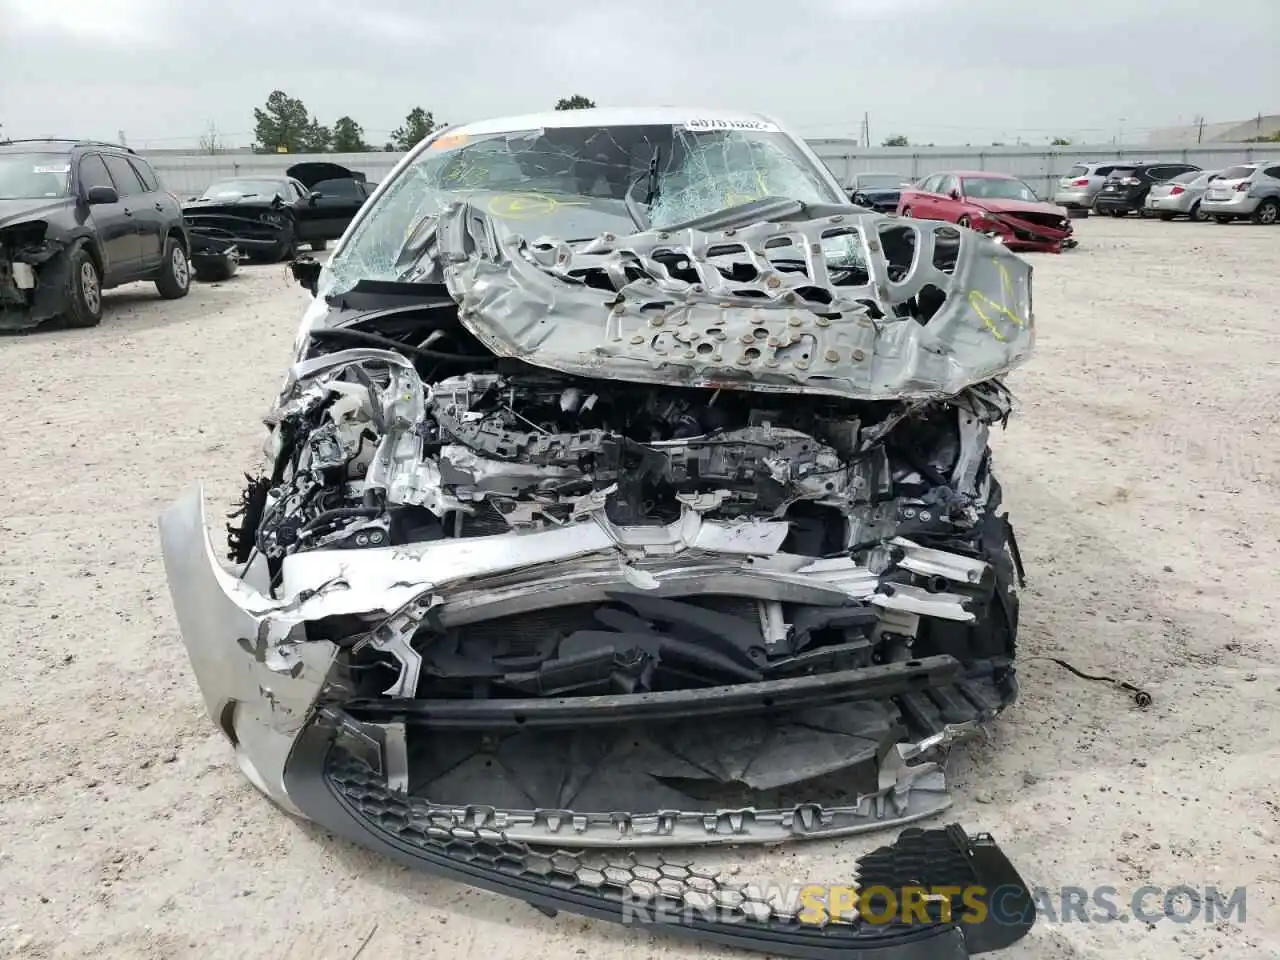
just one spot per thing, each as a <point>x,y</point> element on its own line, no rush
<point>923,310</point>
<point>214,203</point>
<point>1016,207</point>
<point>14,212</point>
<point>314,171</point>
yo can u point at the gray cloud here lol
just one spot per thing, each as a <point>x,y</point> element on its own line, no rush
<point>935,70</point>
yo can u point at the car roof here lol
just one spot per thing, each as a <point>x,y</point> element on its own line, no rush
<point>240,177</point>
<point>60,144</point>
<point>613,117</point>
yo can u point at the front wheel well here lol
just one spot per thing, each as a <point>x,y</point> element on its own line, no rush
<point>94,254</point>
<point>180,237</point>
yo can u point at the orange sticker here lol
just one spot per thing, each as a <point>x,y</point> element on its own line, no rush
<point>450,141</point>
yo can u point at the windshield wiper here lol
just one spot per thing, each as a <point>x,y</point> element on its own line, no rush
<point>650,180</point>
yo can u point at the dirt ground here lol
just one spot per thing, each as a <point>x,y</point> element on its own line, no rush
<point>1143,475</point>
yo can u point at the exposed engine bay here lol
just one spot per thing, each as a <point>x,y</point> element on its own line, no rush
<point>752,597</point>
<point>30,279</point>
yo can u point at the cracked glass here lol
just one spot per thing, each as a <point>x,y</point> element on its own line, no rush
<point>574,183</point>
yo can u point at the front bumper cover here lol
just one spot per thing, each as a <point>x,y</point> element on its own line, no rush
<point>668,894</point>
<point>269,689</point>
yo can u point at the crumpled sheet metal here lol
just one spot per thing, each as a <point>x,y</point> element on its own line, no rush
<point>782,331</point>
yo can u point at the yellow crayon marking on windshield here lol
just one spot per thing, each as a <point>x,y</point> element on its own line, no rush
<point>978,299</point>
<point>527,206</point>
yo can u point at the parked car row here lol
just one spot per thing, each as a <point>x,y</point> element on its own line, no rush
<point>1008,209</point>
<point>78,217</point>
<point>1170,190</point>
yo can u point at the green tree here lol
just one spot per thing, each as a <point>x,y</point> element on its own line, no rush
<point>388,147</point>
<point>1060,142</point>
<point>897,140</point>
<point>281,124</point>
<point>576,102</point>
<point>417,125</point>
<point>318,139</point>
<point>348,136</point>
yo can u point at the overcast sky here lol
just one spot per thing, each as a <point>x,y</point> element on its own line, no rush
<point>941,71</point>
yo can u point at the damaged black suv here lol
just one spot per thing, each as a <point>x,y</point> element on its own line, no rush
<point>78,217</point>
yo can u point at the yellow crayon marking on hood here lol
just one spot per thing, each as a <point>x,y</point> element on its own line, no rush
<point>981,304</point>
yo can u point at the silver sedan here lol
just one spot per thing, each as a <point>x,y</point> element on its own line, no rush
<point>1180,197</point>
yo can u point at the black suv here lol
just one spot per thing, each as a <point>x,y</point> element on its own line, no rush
<point>1127,186</point>
<point>78,217</point>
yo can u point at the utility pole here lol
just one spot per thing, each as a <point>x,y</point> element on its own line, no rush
<point>1199,122</point>
<point>866,127</point>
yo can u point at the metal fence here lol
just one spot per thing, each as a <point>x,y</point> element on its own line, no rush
<point>189,174</point>
<point>1040,167</point>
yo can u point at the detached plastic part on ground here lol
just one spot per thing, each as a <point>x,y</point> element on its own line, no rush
<point>971,898</point>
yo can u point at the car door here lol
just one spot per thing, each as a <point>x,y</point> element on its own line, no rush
<point>116,234</point>
<point>162,210</point>
<point>336,204</point>
<point>309,215</point>
<point>918,197</point>
<point>141,214</point>
<point>947,202</point>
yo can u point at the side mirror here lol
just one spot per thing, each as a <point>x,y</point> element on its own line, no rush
<point>314,195</point>
<point>954,194</point>
<point>100,195</point>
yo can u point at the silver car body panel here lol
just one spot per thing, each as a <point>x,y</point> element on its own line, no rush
<point>779,332</point>
<point>260,675</point>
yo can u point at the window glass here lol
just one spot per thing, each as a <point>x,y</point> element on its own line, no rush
<point>93,173</point>
<point>145,173</point>
<point>30,176</point>
<point>345,187</point>
<point>122,175</point>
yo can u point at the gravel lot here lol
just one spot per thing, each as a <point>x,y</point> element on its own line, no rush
<point>1142,470</point>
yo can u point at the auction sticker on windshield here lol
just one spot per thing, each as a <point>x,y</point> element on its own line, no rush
<point>450,141</point>
<point>729,123</point>
<point>52,168</point>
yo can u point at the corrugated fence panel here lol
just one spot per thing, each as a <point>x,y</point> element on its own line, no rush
<point>188,174</point>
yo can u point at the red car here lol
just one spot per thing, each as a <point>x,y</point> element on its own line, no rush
<point>1001,206</point>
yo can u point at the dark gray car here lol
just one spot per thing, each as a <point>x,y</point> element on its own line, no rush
<point>78,218</point>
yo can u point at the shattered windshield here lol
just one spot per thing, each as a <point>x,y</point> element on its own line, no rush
<point>575,183</point>
<point>34,176</point>
<point>242,188</point>
<point>993,188</point>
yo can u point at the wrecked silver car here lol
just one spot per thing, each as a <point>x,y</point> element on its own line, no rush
<point>629,489</point>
